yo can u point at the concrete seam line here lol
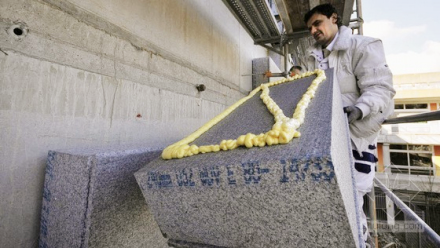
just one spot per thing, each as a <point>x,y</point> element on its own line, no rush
<point>113,58</point>
<point>139,43</point>
<point>11,51</point>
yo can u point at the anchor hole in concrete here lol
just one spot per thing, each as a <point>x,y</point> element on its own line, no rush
<point>201,87</point>
<point>18,31</point>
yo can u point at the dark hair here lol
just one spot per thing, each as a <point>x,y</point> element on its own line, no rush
<point>323,9</point>
<point>295,67</point>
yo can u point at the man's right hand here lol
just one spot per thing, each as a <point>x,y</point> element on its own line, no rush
<point>353,112</point>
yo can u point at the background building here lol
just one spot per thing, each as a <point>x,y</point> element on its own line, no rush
<point>409,153</point>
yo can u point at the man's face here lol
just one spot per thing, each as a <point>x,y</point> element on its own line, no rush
<point>322,28</point>
<point>295,72</point>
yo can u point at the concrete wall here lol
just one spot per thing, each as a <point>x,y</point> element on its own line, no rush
<point>88,73</point>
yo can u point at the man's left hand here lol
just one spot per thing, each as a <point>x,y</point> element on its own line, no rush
<point>354,113</point>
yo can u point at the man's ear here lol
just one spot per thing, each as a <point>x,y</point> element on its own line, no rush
<point>334,18</point>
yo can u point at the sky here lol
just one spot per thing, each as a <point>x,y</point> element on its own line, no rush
<point>409,30</point>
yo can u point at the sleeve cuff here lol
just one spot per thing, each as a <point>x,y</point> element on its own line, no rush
<point>365,109</point>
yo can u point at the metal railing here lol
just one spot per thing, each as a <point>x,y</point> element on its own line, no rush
<point>430,116</point>
<point>408,229</point>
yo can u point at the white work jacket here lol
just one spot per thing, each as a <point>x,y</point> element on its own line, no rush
<point>365,81</point>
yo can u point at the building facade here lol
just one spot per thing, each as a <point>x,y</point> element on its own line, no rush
<point>409,153</point>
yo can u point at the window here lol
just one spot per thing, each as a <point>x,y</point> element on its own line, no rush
<point>411,159</point>
<point>407,109</point>
<point>416,106</point>
<point>423,106</point>
<point>399,106</point>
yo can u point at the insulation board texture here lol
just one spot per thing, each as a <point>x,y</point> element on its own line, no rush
<point>294,195</point>
<point>91,199</point>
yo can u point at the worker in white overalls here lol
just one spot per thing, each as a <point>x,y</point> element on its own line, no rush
<point>366,85</point>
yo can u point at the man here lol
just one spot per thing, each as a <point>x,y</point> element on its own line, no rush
<point>366,85</point>
<point>295,70</point>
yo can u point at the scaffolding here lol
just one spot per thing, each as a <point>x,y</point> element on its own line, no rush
<point>278,25</point>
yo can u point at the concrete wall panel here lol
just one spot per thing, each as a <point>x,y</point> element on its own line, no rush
<point>105,72</point>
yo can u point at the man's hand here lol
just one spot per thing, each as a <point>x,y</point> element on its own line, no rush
<point>354,113</point>
<point>267,74</point>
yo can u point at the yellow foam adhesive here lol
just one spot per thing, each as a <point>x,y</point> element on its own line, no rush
<point>282,132</point>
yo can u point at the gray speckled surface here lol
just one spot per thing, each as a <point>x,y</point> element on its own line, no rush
<point>91,199</point>
<point>293,195</point>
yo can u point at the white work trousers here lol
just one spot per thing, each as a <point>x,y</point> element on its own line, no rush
<point>364,174</point>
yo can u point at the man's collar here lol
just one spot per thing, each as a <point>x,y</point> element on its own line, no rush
<point>344,40</point>
<point>342,43</point>
<point>317,49</point>
<point>330,46</point>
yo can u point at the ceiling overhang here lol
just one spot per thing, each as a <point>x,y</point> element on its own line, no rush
<point>271,22</point>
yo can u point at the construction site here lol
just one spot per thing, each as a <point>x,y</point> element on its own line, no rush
<point>147,123</point>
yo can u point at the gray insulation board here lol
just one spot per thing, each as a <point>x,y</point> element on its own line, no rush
<point>294,195</point>
<point>91,199</point>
